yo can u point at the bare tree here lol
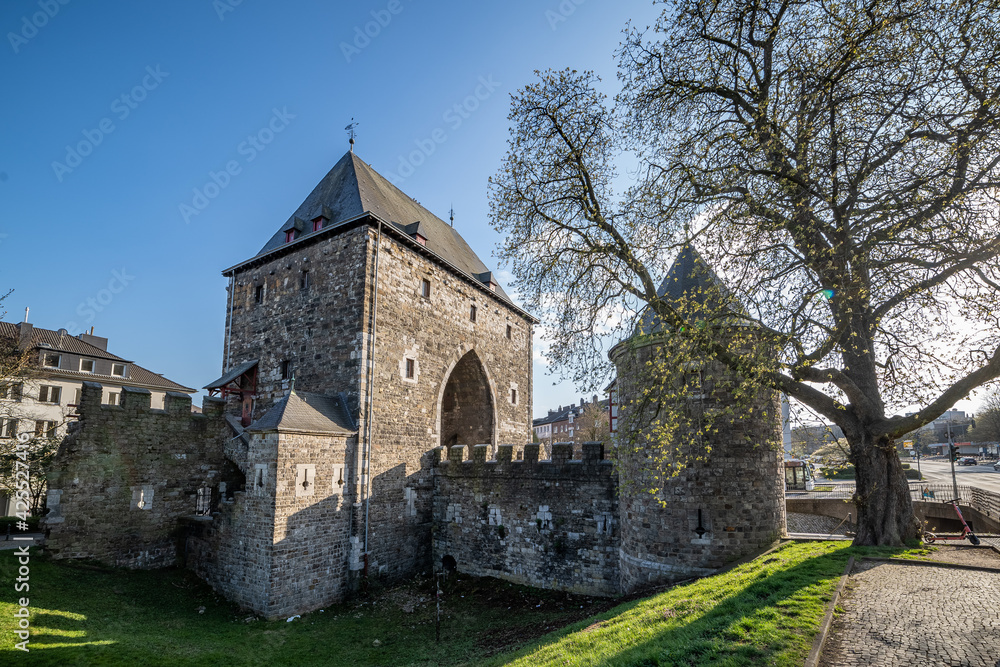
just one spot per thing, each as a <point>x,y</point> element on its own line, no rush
<point>987,427</point>
<point>593,424</point>
<point>16,366</point>
<point>837,163</point>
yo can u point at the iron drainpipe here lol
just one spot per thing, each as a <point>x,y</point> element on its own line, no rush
<point>229,322</point>
<point>369,392</point>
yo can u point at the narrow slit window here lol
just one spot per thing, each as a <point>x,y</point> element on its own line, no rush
<point>411,369</point>
<point>513,396</point>
<point>425,288</point>
<point>510,332</point>
<point>304,280</point>
<point>286,369</point>
<point>472,313</point>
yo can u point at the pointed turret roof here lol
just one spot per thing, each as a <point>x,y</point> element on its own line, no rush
<point>353,189</point>
<point>690,281</point>
<point>304,412</point>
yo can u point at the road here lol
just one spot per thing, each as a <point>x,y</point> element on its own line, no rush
<point>938,471</point>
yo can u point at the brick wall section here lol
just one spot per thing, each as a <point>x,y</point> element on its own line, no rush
<point>113,456</point>
<point>738,488</point>
<point>550,524</point>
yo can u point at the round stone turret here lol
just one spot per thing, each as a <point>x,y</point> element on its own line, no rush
<point>692,498</point>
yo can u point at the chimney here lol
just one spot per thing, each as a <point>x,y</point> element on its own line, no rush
<point>595,398</point>
<point>97,341</point>
<point>25,329</point>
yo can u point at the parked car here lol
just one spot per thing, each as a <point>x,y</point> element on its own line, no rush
<point>996,466</point>
<point>967,461</point>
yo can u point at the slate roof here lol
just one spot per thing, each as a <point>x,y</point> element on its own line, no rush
<point>52,340</point>
<point>305,412</point>
<point>353,189</point>
<point>563,414</point>
<point>232,375</point>
<point>690,280</point>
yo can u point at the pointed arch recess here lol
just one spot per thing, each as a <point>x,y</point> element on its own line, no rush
<point>466,405</point>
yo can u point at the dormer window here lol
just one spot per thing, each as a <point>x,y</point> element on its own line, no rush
<point>417,231</point>
<point>289,236</point>
<point>87,365</point>
<point>318,223</point>
<point>50,360</point>
<point>118,370</point>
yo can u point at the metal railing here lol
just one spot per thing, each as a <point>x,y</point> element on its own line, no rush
<point>986,502</point>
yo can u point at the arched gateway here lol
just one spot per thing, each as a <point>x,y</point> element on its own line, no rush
<point>467,405</point>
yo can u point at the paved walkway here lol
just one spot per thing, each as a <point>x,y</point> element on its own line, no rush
<point>911,615</point>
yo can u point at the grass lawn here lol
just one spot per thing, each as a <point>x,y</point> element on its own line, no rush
<point>764,612</point>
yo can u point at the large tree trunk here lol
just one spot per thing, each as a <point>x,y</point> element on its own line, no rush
<point>885,511</point>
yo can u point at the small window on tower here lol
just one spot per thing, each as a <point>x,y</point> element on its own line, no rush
<point>411,369</point>
<point>425,288</point>
<point>286,369</point>
<point>472,313</point>
<point>258,294</point>
<point>510,332</point>
<point>304,280</point>
<point>513,396</point>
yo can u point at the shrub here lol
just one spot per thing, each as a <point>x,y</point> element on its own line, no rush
<point>911,473</point>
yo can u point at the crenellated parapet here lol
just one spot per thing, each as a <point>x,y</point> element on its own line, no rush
<point>549,523</point>
<point>127,473</point>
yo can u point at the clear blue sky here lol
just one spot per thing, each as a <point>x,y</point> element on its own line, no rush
<point>160,95</point>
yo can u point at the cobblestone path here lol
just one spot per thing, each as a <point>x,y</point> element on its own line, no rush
<point>917,615</point>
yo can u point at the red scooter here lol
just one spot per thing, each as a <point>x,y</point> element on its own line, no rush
<point>930,538</point>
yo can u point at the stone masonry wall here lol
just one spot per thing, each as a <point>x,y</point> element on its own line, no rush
<point>126,475</point>
<point>728,501</point>
<point>312,522</point>
<point>438,334</point>
<point>550,524</point>
<point>317,328</point>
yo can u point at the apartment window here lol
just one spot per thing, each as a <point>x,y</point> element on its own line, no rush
<point>8,428</point>
<point>44,429</point>
<point>118,369</point>
<point>11,392</point>
<point>510,332</point>
<point>258,294</point>
<point>411,369</point>
<point>472,313</point>
<point>114,398</point>
<point>286,369</point>
<point>87,365</point>
<point>49,394</point>
<point>304,280</point>
<point>79,396</point>
<point>50,360</point>
<point>425,288</point>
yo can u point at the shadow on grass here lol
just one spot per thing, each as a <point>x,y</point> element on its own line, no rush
<point>756,614</point>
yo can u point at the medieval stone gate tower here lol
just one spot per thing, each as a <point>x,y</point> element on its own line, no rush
<point>365,296</point>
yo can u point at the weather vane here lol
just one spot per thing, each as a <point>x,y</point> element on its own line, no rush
<point>350,130</point>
